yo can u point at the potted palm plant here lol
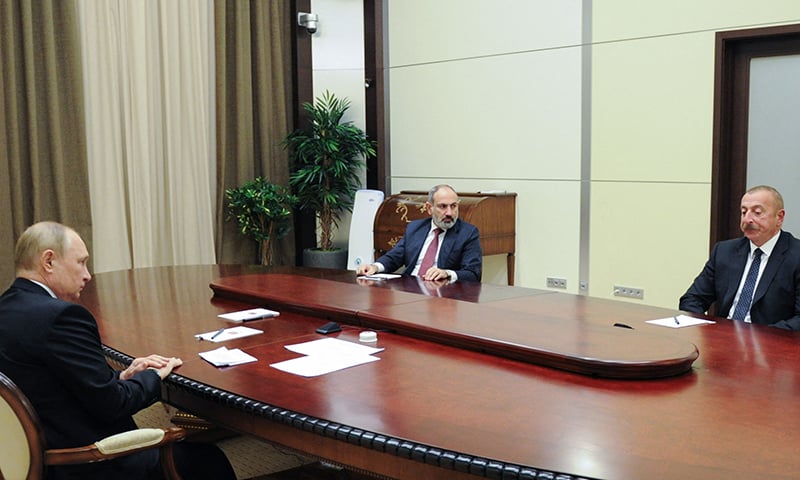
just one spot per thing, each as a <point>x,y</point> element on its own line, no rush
<point>262,211</point>
<point>327,156</point>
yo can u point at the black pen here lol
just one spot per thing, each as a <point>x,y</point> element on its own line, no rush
<point>222,330</point>
<point>676,321</point>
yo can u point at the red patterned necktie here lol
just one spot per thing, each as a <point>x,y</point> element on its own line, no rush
<point>430,254</point>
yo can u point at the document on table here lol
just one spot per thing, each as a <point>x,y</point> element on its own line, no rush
<point>325,356</point>
<point>382,276</point>
<point>332,347</point>
<point>251,314</point>
<point>313,365</point>
<point>224,334</point>
<point>679,321</point>
<point>222,357</point>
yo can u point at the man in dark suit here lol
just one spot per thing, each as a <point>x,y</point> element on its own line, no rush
<point>50,347</point>
<point>456,254</point>
<point>772,296</point>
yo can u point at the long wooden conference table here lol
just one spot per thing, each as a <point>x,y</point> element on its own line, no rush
<point>446,400</point>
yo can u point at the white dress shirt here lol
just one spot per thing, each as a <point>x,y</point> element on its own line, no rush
<point>766,252</point>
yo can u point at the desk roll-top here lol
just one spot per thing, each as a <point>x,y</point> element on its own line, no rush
<point>493,213</point>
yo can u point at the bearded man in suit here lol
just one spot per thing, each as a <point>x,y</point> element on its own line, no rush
<point>456,254</point>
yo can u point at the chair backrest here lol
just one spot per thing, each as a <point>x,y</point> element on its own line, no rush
<point>22,442</point>
<point>359,248</point>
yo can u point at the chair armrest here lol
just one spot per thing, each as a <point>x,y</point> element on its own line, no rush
<point>115,446</point>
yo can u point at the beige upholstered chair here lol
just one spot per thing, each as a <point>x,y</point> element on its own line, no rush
<point>22,450</point>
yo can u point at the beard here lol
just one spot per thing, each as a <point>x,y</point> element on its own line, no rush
<point>445,223</point>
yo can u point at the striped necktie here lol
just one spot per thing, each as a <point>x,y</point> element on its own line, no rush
<point>746,297</point>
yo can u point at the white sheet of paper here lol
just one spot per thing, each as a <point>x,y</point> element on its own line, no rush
<point>313,365</point>
<point>228,334</point>
<point>332,347</point>
<point>222,357</point>
<point>679,321</point>
<point>326,355</point>
<point>382,276</point>
<point>251,314</point>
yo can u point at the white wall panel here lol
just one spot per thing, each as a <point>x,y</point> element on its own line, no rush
<point>511,116</point>
<point>630,19</point>
<point>652,107</point>
<point>652,236</point>
<point>441,30</point>
<point>338,43</point>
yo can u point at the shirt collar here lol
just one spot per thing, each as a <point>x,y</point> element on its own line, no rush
<point>44,286</point>
<point>768,246</point>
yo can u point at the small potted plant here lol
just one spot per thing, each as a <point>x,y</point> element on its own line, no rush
<point>326,159</point>
<point>262,211</point>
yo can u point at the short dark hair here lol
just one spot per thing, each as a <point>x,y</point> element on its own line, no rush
<point>436,189</point>
<point>766,188</point>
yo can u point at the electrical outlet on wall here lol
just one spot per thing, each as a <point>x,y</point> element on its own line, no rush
<point>629,292</point>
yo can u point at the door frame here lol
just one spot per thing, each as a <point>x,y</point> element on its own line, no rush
<point>734,50</point>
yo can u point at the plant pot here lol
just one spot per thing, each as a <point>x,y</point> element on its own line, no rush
<point>336,258</point>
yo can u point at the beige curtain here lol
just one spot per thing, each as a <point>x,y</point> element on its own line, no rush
<point>148,73</point>
<point>43,172</point>
<point>253,79</point>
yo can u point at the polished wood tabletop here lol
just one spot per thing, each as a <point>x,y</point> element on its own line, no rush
<point>433,410</point>
<point>567,344</point>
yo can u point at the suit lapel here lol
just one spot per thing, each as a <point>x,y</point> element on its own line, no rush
<point>447,245</point>
<point>740,258</point>
<point>415,243</point>
<point>773,265</point>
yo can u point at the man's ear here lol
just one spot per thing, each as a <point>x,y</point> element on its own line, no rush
<point>429,208</point>
<point>47,258</point>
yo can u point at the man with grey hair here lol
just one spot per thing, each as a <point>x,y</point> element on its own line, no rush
<point>439,249</point>
<point>755,278</point>
<point>50,347</point>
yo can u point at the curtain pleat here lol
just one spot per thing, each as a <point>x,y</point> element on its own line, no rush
<point>150,129</point>
<point>42,131</point>
<point>253,79</point>
<point>139,165</point>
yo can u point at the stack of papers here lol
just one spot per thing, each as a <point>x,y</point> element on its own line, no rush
<point>251,314</point>
<point>222,357</point>
<point>679,321</point>
<point>325,356</point>
<point>224,334</point>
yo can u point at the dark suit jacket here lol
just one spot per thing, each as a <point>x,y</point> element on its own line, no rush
<point>776,300</point>
<point>460,250</point>
<point>51,349</point>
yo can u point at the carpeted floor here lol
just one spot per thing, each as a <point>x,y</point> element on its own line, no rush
<point>251,457</point>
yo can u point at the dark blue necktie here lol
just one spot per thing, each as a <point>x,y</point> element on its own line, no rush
<point>746,297</point>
